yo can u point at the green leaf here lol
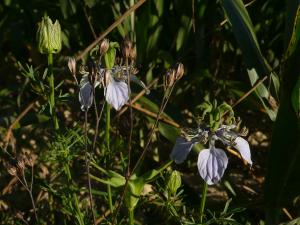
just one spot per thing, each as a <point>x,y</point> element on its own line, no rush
<point>294,35</point>
<point>296,97</point>
<point>244,33</point>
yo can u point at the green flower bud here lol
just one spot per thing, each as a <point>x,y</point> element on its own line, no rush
<point>49,36</point>
<point>174,182</point>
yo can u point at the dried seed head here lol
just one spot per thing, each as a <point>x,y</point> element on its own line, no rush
<point>179,68</point>
<point>29,160</point>
<point>104,46</point>
<point>132,54</point>
<point>127,49</point>
<point>21,163</point>
<point>169,78</point>
<point>12,170</point>
<point>72,65</point>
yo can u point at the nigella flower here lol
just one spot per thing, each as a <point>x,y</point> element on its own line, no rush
<point>213,161</point>
<point>116,91</point>
<point>85,93</point>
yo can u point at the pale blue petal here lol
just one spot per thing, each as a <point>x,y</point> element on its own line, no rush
<point>86,96</point>
<point>117,93</point>
<point>212,164</point>
<point>181,149</point>
<point>243,147</point>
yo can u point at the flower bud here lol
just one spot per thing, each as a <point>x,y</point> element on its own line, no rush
<point>49,36</point>
<point>72,65</point>
<point>127,48</point>
<point>179,68</point>
<point>169,78</point>
<point>104,46</point>
<point>174,182</point>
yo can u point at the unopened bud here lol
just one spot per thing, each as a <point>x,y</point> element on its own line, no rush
<point>49,36</point>
<point>12,170</point>
<point>127,48</point>
<point>169,78</point>
<point>104,46</point>
<point>179,68</point>
<point>72,65</point>
<point>174,182</point>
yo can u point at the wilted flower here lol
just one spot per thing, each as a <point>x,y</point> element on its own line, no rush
<point>12,170</point>
<point>49,36</point>
<point>212,162</point>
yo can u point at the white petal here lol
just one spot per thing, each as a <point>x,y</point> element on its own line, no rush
<point>212,164</point>
<point>243,147</point>
<point>117,93</point>
<point>86,96</point>
<point>181,149</point>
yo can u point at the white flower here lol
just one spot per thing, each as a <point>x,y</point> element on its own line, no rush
<point>213,161</point>
<point>85,93</point>
<point>116,92</point>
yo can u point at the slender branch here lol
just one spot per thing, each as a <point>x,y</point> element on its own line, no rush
<point>137,97</point>
<point>250,91</point>
<point>16,121</point>
<point>89,22</point>
<point>110,28</point>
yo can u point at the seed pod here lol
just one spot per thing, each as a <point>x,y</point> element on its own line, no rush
<point>48,36</point>
<point>12,170</point>
<point>179,68</point>
<point>72,65</point>
<point>174,182</point>
<point>104,46</point>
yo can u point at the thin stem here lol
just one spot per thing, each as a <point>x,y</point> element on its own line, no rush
<point>107,140</point>
<point>132,22</point>
<point>87,164</point>
<point>25,184</point>
<point>52,91</point>
<point>131,121</point>
<point>203,200</point>
<point>131,216</point>
<point>98,118</point>
<point>164,102</point>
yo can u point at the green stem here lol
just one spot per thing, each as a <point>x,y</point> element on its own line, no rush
<point>203,199</point>
<point>107,140</point>
<point>131,216</point>
<point>52,94</point>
